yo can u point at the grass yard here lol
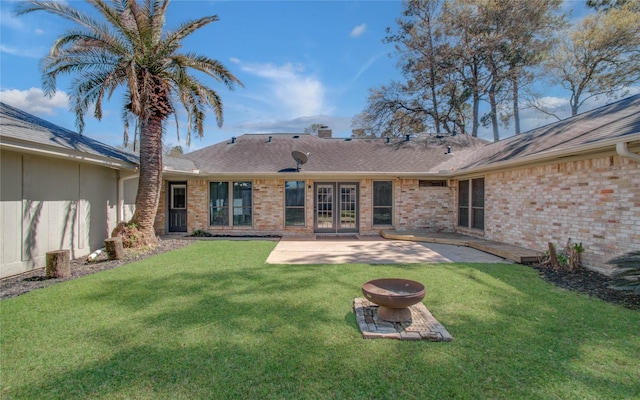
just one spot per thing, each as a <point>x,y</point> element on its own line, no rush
<point>213,321</point>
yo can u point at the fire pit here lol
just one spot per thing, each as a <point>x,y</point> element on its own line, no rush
<point>394,296</point>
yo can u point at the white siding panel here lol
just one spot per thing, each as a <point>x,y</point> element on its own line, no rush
<point>10,213</point>
<point>50,222</point>
<point>98,204</point>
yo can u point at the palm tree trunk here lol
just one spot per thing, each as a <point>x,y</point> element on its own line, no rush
<point>150,181</point>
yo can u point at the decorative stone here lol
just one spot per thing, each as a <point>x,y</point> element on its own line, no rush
<point>422,326</point>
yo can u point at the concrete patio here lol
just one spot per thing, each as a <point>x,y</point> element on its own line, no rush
<point>372,250</point>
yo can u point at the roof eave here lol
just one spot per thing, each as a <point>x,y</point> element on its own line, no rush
<point>608,145</point>
<point>56,152</point>
<point>344,175</point>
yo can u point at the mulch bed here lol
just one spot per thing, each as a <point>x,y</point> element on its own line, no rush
<point>583,281</point>
<point>16,285</point>
<point>591,283</point>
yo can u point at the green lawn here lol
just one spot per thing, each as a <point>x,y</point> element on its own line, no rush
<point>213,321</point>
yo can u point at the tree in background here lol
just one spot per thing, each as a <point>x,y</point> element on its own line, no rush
<point>131,49</point>
<point>174,151</point>
<point>314,128</point>
<point>600,55</point>
<point>607,4</point>
<point>454,55</point>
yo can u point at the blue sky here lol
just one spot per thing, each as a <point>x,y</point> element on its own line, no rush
<point>301,62</point>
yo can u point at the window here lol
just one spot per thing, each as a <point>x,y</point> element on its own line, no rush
<point>437,183</point>
<point>220,201</point>
<point>382,203</point>
<point>179,197</point>
<point>471,203</point>
<point>463,203</point>
<point>294,203</point>
<point>477,203</point>
<point>242,203</point>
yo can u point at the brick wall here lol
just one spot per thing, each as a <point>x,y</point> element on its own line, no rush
<point>423,208</point>
<point>414,208</point>
<point>595,201</point>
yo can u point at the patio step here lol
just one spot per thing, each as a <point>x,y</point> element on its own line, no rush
<point>516,254</point>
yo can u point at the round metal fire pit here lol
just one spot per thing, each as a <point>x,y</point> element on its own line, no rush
<point>394,296</point>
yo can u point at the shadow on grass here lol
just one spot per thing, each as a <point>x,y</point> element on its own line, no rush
<point>245,330</point>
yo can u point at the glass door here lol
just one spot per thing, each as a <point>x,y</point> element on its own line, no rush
<point>336,207</point>
<point>325,221</point>
<point>177,207</point>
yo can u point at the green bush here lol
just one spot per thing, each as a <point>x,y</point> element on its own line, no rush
<point>201,233</point>
<point>628,277</point>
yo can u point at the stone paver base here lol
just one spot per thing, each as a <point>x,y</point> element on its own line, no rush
<point>423,326</point>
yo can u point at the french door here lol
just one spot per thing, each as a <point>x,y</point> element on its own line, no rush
<point>336,207</point>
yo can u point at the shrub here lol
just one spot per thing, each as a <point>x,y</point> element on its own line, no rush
<point>131,236</point>
<point>567,258</point>
<point>628,277</point>
<point>201,233</point>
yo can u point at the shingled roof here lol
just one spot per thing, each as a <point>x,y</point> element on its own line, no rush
<point>270,154</point>
<point>589,131</point>
<point>21,130</point>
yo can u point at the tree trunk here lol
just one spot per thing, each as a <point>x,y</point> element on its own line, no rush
<point>150,181</point>
<point>494,112</point>
<point>553,258</point>
<point>516,111</point>
<point>114,248</point>
<point>58,264</point>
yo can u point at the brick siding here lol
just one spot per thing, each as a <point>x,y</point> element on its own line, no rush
<point>594,201</point>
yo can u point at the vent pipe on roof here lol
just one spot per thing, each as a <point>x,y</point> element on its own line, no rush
<point>270,138</point>
<point>233,139</point>
<point>623,151</point>
<point>448,149</point>
<point>388,139</point>
<point>407,138</point>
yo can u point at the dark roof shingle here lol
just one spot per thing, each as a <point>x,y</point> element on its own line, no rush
<point>20,125</point>
<point>256,153</point>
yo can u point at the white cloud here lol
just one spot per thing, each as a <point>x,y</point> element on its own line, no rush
<point>341,126</point>
<point>366,65</point>
<point>23,52</point>
<point>34,100</point>
<point>358,30</point>
<point>8,19</point>
<point>294,93</point>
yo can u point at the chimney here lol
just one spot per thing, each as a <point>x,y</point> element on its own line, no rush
<point>324,132</point>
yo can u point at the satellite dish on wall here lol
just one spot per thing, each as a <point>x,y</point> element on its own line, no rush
<point>300,158</point>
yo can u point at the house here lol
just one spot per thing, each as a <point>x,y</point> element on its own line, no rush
<point>59,190</point>
<point>575,179</point>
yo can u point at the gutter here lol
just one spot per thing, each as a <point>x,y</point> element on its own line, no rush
<point>66,154</point>
<point>623,151</point>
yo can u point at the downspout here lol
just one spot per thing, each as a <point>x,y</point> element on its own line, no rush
<point>121,196</point>
<point>623,151</point>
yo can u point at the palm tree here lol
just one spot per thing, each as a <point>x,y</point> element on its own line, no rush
<point>130,49</point>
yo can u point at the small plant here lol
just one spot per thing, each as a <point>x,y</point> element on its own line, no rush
<point>628,276</point>
<point>201,233</point>
<point>131,236</point>
<point>565,259</point>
